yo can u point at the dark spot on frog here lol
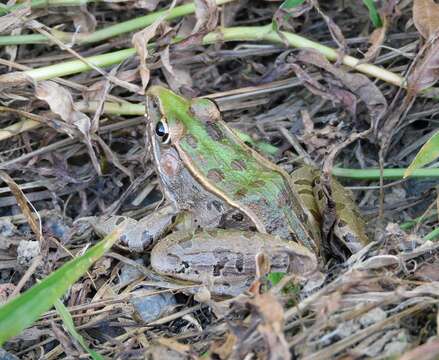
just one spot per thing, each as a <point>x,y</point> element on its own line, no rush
<point>184,267</point>
<point>120,221</point>
<point>320,194</point>
<point>214,204</point>
<point>283,198</point>
<point>238,217</point>
<point>215,175</point>
<point>257,183</point>
<point>238,165</point>
<point>205,110</point>
<point>214,131</point>
<point>316,214</point>
<point>239,194</point>
<point>147,238</point>
<point>340,206</point>
<point>239,264</point>
<point>191,140</point>
<point>306,192</point>
<point>304,182</point>
<point>219,266</point>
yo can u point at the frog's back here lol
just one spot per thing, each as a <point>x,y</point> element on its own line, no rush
<point>247,181</point>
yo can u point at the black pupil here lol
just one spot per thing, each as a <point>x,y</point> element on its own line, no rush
<point>160,129</point>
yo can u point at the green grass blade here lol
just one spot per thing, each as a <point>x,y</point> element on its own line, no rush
<point>70,326</point>
<point>23,310</point>
<point>428,153</point>
<point>373,13</point>
<point>288,4</point>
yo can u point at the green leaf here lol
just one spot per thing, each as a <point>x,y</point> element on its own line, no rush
<point>24,309</point>
<point>428,153</point>
<point>70,326</point>
<point>373,13</point>
<point>288,4</point>
<point>275,277</point>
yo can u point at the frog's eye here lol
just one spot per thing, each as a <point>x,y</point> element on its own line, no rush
<point>162,131</point>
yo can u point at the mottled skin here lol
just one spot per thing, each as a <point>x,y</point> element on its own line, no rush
<point>231,170</point>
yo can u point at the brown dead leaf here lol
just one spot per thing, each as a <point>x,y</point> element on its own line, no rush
<point>84,21</point>
<point>426,17</point>
<point>357,84</point>
<point>271,327</point>
<point>206,13</point>
<point>140,41</point>
<point>223,349</point>
<point>426,72</point>
<point>61,103</point>
<point>334,30</point>
<point>376,39</point>
<point>176,77</point>
<point>23,204</point>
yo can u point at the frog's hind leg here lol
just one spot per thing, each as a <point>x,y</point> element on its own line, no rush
<point>348,226</point>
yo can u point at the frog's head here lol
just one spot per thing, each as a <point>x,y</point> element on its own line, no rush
<point>171,116</point>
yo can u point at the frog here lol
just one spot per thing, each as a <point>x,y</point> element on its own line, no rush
<point>240,202</point>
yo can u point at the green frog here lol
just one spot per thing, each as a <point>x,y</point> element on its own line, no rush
<point>240,203</point>
<point>227,203</point>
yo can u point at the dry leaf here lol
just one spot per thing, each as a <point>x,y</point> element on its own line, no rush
<point>60,102</point>
<point>376,39</point>
<point>23,204</point>
<point>342,87</point>
<point>84,21</point>
<point>426,72</point>
<point>334,30</point>
<point>206,13</point>
<point>176,77</point>
<point>140,41</point>
<point>426,17</point>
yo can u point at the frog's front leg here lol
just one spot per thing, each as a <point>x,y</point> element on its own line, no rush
<point>139,234</point>
<point>349,227</point>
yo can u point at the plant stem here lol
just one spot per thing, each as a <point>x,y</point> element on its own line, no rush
<point>432,235</point>
<point>255,33</point>
<point>105,33</point>
<point>389,174</point>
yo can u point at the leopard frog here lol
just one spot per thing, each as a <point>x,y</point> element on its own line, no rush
<point>206,170</point>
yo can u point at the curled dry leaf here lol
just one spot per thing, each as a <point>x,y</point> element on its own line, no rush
<point>140,41</point>
<point>60,102</point>
<point>426,17</point>
<point>426,71</point>
<point>175,76</point>
<point>206,13</point>
<point>376,39</point>
<point>334,30</point>
<point>357,84</point>
<point>84,21</point>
